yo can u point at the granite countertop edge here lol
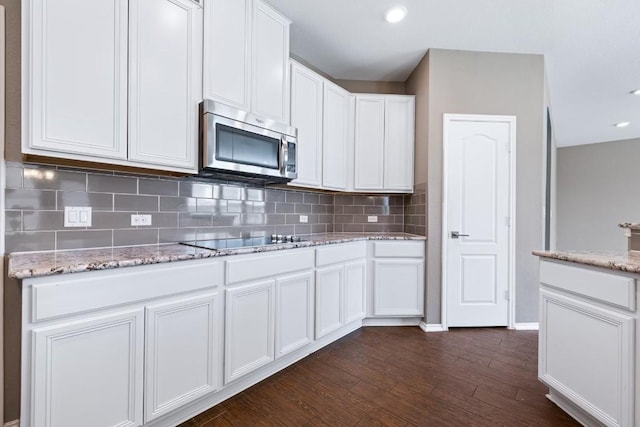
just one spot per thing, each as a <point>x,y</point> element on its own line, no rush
<point>630,225</point>
<point>24,265</point>
<point>613,260</point>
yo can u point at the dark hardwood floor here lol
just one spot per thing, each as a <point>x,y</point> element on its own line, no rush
<point>400,376</point>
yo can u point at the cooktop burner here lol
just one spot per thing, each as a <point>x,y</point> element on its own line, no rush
<point>242,243</point>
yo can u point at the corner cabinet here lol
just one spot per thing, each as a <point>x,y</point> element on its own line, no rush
<point>384,143</point>
<point>246,57</point>
<point>351,142</point>
<point>119,82</point>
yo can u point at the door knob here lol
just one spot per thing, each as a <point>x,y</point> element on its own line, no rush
<point>456,234</point>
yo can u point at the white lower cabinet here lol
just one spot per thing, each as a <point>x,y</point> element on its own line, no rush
<point>587,342</point>
<point>340,286</point>
<point>146,345</point>
<point>180,364</point>
<point>88,372</point>
<point>398,279</point>
<point>120,347</point>
<point>249,328</point>
<point>294,312</point>
<point>354,290</point>
<point>269,309</point>
<point>329,289</point>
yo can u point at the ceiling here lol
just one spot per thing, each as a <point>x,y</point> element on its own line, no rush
<point>591,49</point>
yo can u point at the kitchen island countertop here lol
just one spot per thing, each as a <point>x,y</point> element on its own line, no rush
<point>628,261</point>
<point>23,265</point>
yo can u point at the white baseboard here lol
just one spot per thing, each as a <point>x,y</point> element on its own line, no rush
<point>14,423</point>
<point>533,326</point>
<point>432,327</point>
<point>397,321</point>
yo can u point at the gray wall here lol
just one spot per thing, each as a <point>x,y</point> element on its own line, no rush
<point>418,85</point>
<point>486,83</point>
<point>596,191</point>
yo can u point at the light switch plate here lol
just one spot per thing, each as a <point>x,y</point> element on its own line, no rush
<point>75,216</point>
<point>372,218</point>
<point>304,218</point>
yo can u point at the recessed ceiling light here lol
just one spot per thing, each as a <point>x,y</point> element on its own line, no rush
<point>635,92</point>
<point>395,14</point>
<point>622,124</point>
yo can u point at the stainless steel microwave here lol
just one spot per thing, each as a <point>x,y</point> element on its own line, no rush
<point>239,145</point>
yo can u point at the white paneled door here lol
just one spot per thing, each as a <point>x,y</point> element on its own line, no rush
<point>477,218</point>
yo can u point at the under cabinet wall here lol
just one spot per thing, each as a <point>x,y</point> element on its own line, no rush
<point>181,209</point>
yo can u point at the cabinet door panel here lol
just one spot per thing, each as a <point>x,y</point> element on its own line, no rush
<point>329,289</point>
<point>335,130</point>
<point>165,82</point>
<point>89,372</point>
<point>398,287</point>
<point>78,77</point>
<point>182,353</point>
<point>294,312</point>
<point>399,142</point>
<point>369,143</point>
<point>587,354</point>
<point>249,328</point>
<point>270,73</point>
<point>306,116</point>
<point>354,291</point>
<point>227,51</point>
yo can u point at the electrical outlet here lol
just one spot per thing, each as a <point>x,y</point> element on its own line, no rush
<point>77,216</point>
<point>372,218</point>
<point>304,218</point>
<point>140,220</point>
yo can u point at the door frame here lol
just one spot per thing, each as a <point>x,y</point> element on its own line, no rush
<point>447,119</point>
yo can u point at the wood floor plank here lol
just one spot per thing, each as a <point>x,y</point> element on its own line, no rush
<point>402,377</point>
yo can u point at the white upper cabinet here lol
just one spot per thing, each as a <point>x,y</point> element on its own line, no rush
<point>76,73</point>
<point>335,130</point>
<point>165,51</point>
<point>227,51</point>
<point>306,116</point>
<point>246,57</point>
<point>399,137</point>
<point>270,51</point>
<point>384,143</point>
<point>369,142</point>
<point>115,82</point>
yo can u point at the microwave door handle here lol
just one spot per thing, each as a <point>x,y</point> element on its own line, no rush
<point>284,154</point>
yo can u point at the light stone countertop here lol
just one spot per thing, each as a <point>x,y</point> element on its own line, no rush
<point>628,261</point>
<point>24,265</point>
<point>630,225</point>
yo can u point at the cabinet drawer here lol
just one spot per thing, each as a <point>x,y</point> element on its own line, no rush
<point>75,293</point>
<point>398,249</point>
<point>340,253</point>
<point>268,265</point>
<point>606,287</point>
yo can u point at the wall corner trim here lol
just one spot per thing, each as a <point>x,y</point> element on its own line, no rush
<point>432,327</point>
<point>533,326</point>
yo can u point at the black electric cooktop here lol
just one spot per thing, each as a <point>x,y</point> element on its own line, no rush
<point>242,243</point>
